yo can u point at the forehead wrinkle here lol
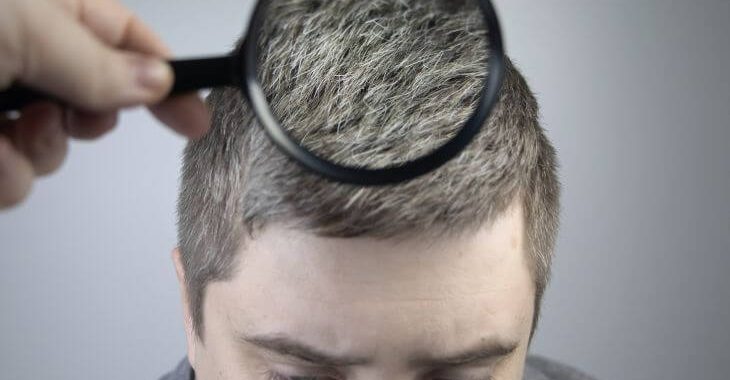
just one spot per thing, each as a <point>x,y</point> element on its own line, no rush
<point>415,285</point>
<point>432,281</point>
<point>447,298</point>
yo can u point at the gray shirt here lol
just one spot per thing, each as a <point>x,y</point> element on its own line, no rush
<point>536,368</point>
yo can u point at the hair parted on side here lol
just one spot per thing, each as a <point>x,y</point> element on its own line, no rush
<point>323,65</point>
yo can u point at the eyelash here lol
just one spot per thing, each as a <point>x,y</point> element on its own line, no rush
<point>278,376</point>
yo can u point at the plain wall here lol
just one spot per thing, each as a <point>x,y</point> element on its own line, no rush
<point>635,95</point>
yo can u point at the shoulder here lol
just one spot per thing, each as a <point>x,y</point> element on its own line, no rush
<point>183,371</point>
<point>541,368</point>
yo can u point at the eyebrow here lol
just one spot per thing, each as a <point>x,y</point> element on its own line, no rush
<point>288,346</point>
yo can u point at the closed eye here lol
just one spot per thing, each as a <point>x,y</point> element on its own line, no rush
<point>278,376</point>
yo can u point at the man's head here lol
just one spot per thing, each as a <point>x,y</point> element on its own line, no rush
<point>455,260</point>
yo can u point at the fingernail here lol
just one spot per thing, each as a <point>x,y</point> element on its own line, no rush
<point>153,74</point>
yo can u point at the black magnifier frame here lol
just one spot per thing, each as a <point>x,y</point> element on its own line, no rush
<point>197,74</point>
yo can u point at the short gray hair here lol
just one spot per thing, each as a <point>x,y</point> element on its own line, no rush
<point>317,75</point>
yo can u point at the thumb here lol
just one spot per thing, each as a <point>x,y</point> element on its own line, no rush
<point>60,56</point>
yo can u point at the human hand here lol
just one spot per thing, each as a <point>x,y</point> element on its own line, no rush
<point>97,57</point>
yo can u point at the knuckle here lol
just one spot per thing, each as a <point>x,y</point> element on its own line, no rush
<point>99,86</point>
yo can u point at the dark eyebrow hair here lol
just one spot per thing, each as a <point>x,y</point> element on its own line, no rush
<point>287,346</point>
<point>284,345</point>
<point>486,349</point>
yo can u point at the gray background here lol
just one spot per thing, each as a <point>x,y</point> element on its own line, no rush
<point>634,94</point>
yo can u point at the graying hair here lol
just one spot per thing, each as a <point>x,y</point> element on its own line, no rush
<point>327,71</point>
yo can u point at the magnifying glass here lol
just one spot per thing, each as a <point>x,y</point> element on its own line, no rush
<point>399,163</point>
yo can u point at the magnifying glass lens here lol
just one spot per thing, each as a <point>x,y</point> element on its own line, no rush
<point>372,84</point>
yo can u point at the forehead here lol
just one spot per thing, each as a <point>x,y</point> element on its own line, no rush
<point>355,294</point>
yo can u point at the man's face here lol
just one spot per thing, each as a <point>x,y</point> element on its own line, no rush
<point>362,309</point>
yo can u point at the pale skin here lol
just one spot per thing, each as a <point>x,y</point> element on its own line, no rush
<point>385,302</point>
<point>98,58</point>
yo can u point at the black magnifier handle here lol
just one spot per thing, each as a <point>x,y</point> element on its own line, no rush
<point>201,73</point>
<point>190,75</point>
